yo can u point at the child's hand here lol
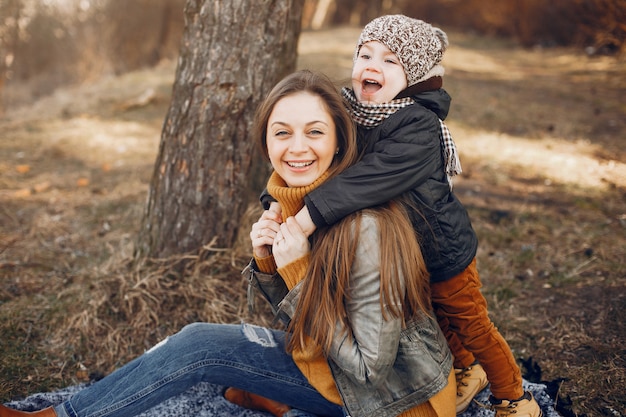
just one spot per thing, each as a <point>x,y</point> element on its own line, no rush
<point>264,231</point>
<point>304,220</point>
<point>290,243</point>
<point>275,207</point>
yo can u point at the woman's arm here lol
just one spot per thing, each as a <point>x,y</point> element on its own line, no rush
<point>368,351</point>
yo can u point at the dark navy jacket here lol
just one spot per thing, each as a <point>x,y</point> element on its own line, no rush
<point>404,155</point>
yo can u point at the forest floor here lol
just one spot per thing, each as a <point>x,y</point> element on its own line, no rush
<point>542,137</point>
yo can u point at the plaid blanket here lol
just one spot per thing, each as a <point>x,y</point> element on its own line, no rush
<point>205,400</point>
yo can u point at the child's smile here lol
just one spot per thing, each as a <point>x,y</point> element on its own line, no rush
<point>371,86</point>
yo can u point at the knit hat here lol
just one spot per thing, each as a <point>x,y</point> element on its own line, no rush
<point>418,45</point>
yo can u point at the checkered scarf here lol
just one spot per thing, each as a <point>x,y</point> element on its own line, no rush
<point>371,115</point>
<point>452,161</point>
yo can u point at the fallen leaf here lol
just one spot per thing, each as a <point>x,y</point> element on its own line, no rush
<point>42,186</point>
<point>23,192</point>
<point>22,169</point>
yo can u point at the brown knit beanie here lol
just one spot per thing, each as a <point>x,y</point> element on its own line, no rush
<point>418,45</point>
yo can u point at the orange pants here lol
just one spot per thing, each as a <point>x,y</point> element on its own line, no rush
<point>462,314</point>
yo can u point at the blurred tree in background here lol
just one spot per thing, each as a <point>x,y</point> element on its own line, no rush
<point>45,44</point>
<point>199,186</point>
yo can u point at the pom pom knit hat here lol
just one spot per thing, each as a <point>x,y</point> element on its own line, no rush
<point>418,45</point>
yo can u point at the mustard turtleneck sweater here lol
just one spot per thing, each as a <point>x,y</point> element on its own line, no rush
<point>311,361</point>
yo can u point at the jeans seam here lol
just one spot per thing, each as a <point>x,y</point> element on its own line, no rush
<point>177,375</point>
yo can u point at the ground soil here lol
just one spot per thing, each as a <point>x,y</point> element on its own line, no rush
<point>541,135</point>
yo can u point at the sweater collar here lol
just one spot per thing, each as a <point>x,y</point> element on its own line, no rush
<point>291,199</point>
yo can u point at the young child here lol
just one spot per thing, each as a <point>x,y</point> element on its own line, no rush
<point>398,104</point>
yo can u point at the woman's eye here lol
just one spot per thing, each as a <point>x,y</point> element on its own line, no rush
<point>281,133</point>
<point>315,132</point>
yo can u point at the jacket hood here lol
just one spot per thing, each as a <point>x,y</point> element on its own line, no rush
<point>437,101</point>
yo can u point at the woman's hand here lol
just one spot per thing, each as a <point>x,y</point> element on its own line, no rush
<point>264,231</point>
<point>290,244</point>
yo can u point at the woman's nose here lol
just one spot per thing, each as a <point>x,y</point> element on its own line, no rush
<point>298,143</point>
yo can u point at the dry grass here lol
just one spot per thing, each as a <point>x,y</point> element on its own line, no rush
<point>151,300</point>
<point>540,135</point>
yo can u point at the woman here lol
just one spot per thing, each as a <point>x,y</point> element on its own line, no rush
<point>361,339</point>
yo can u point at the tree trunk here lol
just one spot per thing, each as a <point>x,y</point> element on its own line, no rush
<point>10,11</point>
<point>232,53</point>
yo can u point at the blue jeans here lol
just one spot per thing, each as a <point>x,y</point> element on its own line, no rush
<point>244,356</point>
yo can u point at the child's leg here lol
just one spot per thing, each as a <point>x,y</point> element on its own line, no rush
<point>462,357</point>
<point>460,301</point>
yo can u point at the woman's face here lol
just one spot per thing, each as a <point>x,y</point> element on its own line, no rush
<point>301,138</point>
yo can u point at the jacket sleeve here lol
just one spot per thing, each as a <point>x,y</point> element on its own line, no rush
<point>266,199</point>
<point>270,285</point>
<point>407,154</point>
<point>368,350</point>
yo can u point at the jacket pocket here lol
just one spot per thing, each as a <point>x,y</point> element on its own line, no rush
<point>423,336</point>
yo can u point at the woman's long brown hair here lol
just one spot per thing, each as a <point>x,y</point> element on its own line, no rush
<point>404,290</point>
<point>404,286</point>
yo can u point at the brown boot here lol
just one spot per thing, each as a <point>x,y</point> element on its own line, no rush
<point>9,412</point>
<point>252,401</point>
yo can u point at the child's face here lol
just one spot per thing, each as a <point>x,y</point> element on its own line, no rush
<point>377,74</point>
<point>301,138</point>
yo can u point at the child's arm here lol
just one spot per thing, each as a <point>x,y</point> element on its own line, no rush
<point>395,164</point>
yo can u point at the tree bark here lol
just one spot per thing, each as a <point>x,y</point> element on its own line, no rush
<point>232,53</point>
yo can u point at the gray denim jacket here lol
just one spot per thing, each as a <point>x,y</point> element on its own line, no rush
<point>380,368</point>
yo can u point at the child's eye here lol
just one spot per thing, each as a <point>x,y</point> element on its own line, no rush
<point>391,61</point>
<point>365,56</point>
